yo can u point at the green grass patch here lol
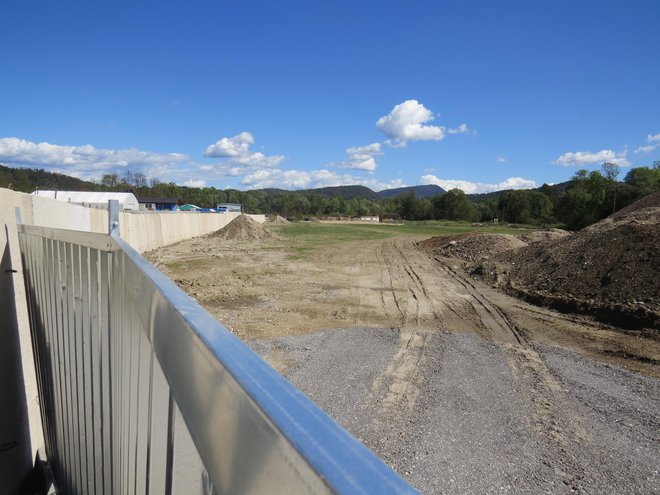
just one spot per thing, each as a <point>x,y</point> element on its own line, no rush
<point>309,235</point>
<point>173,265</point>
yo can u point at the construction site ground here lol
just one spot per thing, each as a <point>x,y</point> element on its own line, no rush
<point>457,386</point>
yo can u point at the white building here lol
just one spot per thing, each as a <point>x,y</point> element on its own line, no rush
<point>229,208</point>
<point>97,200</point>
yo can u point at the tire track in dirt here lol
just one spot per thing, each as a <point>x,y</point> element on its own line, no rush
<point>425,291</point>
<point>469,394</point>
<point>396,389</point>
<point>549,411</point>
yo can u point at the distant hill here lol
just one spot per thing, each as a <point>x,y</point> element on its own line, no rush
<point>28,179</point>
<point>427,191</point>
<point>271,191</point>
<point>483,197</point>
<point>346,192</point>
<point>560,187</point>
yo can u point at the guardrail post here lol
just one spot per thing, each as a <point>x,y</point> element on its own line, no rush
<point>113,217</point>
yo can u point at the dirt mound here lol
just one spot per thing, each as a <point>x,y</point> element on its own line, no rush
<point>243,228</point>
<point>652,200</point>
<point>609,270</point>
<point>472,246</point>
<point>543,235</point>
<point>279,219</point>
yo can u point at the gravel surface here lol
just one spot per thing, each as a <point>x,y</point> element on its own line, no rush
<point>474,427</point>
<point>459,387</point>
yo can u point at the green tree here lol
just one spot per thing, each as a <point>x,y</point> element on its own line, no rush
<point>515,207</point>
<point>643,180</point>
<point>454,205</point>
<point>411,208</point>
<point>611,172</point>
<point>584,201</point>
<point>337,205</point>
<point>110,180</point>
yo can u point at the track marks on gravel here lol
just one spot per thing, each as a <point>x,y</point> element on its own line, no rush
<point>430,296</point>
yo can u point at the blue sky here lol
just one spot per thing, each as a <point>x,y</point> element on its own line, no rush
<point>476,94</point>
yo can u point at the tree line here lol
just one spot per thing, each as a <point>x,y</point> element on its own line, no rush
<point>585,199</point>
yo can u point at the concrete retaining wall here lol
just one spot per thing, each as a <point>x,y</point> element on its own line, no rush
<point>18,386</point>
<point>149,231</point>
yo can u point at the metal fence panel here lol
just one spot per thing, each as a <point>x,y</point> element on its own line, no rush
<point>142,391</point>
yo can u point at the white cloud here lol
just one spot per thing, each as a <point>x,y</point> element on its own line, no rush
<point>370,149</point>
<point>478,187</point>
<point>360,158</point>
<point>237,150</point>
<point>86,161</point>
<point>408,122</point>
<point>309,179</point>
<point>500,159</point>
<point>239,145</point>
<point>580,158</point>
<point>654,143</point>
<point>195,183</point>
<point>461,129</point>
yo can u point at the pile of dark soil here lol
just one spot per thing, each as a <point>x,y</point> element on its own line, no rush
<point>610,270</point>
<point>543,235</point>
<point>471,246</point>
<point>243,228</point>
<point>652,200</point>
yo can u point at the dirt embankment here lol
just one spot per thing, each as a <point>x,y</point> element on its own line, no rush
<point>472,246</point>
<point>544,235</point>
<point>243,228</point>
<point>278,219</point>
<point>608,270</point>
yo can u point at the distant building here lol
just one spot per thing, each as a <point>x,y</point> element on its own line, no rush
<point>189,207</point>
<point>229,208</point>
<point>158,204</point>
<point>370,219</point>
<point>97,200</point>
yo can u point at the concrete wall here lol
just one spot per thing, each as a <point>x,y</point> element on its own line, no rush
<point>15,448</point>
<point>149,231</point>
<point>18,386</point>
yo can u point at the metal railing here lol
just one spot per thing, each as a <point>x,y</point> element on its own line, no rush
<point>142,391</point>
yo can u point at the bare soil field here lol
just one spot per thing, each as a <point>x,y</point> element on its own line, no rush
<point>458,386</point>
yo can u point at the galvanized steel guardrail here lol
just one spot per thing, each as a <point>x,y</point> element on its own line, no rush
<point>142,391</point>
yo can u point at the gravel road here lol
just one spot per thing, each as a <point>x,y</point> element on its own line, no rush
<point>475,426</point>
<point>457,386</point>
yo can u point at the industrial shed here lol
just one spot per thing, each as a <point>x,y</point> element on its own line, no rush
<point>158,204</point>
<point>97,200</point>
<point>229,208</point>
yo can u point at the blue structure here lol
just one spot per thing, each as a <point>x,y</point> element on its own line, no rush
<point>158,204</point>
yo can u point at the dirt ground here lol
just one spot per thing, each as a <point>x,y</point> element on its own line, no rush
<point>268,293</point>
